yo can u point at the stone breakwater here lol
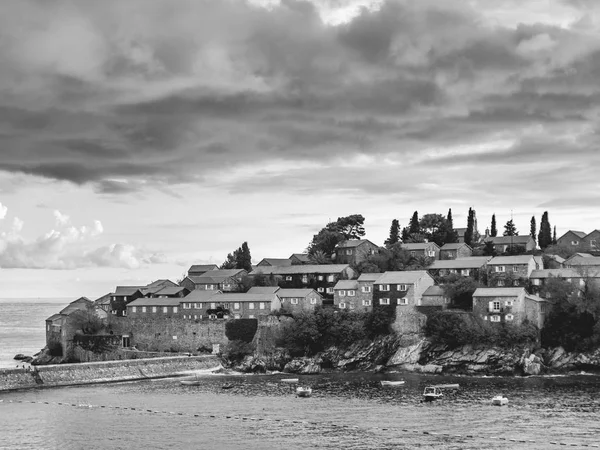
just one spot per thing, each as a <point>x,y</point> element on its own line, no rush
<point>103,372</point>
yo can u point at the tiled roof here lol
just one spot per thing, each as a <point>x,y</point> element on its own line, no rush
<point>498,292</point>
<point>434,291</point>
<point>104,300</point>
<point>472,262</point>
<point>127,290</point>
<point>224,272</point>
<point>301,256</point>
<point>418,246</point>
<point>504,260</point>
<point>264,290</point>
<point>53,317</point>
<point>369,276</point>
<point>454,246</point>
<point>346,284</point>
<point>562,273</point>
<point>402,277</point>
<point>593,261</point>
<point>277,261</point>
<point>199,295</point>
<point>163,283</point>
<point>287,293</point>
<point>243,297</point>
<point>352,243</point>
<point>215,276</point>
<point>580,234</point>
<point>207,280</point>
<point>169,290</point>
<point>143,301</point>
<point>508,240</point>
<point>301,269</point>
<point>202,267</point>
<point>80,304</point>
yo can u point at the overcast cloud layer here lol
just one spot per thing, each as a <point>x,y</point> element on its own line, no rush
<point>453,99</point>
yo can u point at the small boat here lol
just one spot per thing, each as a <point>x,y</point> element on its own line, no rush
<point>289,380</point>
<point>392,383</point>
<point>191,382</point>
<point>432,393</point>
<point>498,400</point>
<point>227,386</point>
<point>303,391</point>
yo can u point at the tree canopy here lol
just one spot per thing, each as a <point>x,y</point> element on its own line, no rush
<point>344,228</point>
<point>394,236</point>
<point>510,229</point>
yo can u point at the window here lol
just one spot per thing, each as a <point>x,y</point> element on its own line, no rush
<point>494,306</point>
<point>236,306</point>
<point>165,309</point>
<point>197,305</point>
<point>330,290</point>
<point>495,319</point>
<point>236,316</point>
<point>465,272</point>
<point>251,316</point>
<point>313,301</point>
<point>134,309</point>
<point>261,305</point>
<point>342,305</point>
<point>210,287</point>
<point>402,287</point>
<point>227,286</point>
<point>384,301</point>
<point>509,317</point>
<point>288,278</point>
<point>500,282</point>
<point>366,302</point>
<point>331,278</point>
<point>320,289</point>
<point>351,293</point>
<point>593,243</point>
<point>251,305</point>
<point>320,278</point>
<point>366,289</point>
<point>174,338</point>
<point>574,242</point>
<point>348,252</point>
<point>125,312</point>
<point>175,309</point>
<point>384,287</point>
<point>143,309</point>
<point>500,269</point>
<point>515,282</point>
<point>305,278</point>
<point>213,305</point>
<point>185,316</point>
<point>403,301</point>
<point>185,305</point>
<point>342,293</point>
<point>453,271</point>
<point>536,281</point>
<point>154,309</point>
<point>413,253</point>
<point>294,301</point>
<point>431,253</point>
<point>196,317</point>
<point>508,303</point>
<point>515,268</point>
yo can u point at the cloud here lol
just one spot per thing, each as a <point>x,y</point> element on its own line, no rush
<point>152,95</point>
<point>69,247</point>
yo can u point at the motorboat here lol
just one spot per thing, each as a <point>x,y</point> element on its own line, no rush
<point>392,383</point>
<point>289,380</point>
<point>432,393</point>
<point>498,400</point>
<point>303,391</point>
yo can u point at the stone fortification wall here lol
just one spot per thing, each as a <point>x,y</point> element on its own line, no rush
<point>102,372</point>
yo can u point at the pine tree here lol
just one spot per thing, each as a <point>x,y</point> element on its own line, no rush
<point>545,234</point>
<point>532,228</point>
<point>413,225</point>
<point>494,230</point>
<point>510,229</point>
<point>470,224</point>
<point>394,237</point>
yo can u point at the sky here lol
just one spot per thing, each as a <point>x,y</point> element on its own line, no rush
<point>139,137</point>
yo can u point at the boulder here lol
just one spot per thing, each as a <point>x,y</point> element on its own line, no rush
<point>303,366</point>
<point>407,355</point>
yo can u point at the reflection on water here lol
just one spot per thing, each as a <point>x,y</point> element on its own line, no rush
<point>345,411</point>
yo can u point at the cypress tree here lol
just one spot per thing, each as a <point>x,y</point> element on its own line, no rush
<point>532,228</point>
<point>470,224</point>
<point>394,237</point>
<point>554,242</point>
<point>244,259</point>
<point>494,230</point>
<point>413,225</point>
<point>451,234</point>
<point>545,234</point>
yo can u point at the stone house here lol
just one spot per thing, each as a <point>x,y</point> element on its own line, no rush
<point>274,262</point>
<point>354,251</point>
<point>365,289</point>
<point>320,277</point>
<point>572,240</point>
<point>503,243</point>
<point>509,305</point>
<point>167,292</point>
<point>197,270</point>
<point>474,267</point>
<point>434,296</point>
<point>124,295</point>
<point>347,295</point>
<point>539,278</point>
<point>300,258</point>
<point>226,280</point>
<point>455,251</point>
<point>104,302</point>
<point>512,270</point>
<point>297,300</point>
<point>425,249</point>
<point>591,242</point>
<point>403,289</point>
<point>583,261</point>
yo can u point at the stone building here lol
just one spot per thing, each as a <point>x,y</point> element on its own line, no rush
<point>354,251</point>
<point>346,295</point>
<point>474,267</point>
<point>403,289</point>
<point>455,251</point>
<point>512,270</point>
<point>502,244</point>
<point>509,305</point>
<point>297,300</point>
<point>226,280</point>
<point>424,249</point>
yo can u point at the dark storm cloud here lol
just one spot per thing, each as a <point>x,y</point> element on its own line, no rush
<point>94,92</point>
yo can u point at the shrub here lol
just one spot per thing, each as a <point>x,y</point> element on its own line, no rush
<point>235,351</point>
<point>378,322</point>
<point>241,329</point>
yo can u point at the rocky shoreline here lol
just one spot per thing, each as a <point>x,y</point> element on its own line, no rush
<point>417,354</point>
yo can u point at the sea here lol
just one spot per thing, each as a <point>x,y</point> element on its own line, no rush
<point>238,411</point>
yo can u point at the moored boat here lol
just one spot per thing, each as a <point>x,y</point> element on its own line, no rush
<point>498,400</point>
<point>191,382</point>
<point>392,383</point>
<point>432,393</point>
<point>289,380</point>
<point>303,391</point>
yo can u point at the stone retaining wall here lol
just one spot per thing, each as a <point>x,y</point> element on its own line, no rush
<point>103,372</point>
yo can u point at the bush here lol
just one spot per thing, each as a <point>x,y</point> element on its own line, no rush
<point>235,351</point>
<point>55,349</point>
<point>241,329</point>
<point>378,322</point>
